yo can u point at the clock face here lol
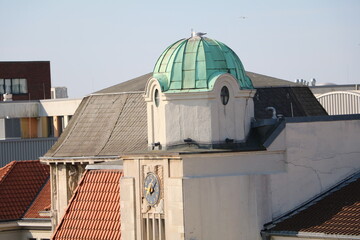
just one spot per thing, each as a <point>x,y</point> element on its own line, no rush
<point>151,188</point>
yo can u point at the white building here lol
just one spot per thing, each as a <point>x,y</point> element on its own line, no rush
<point>201,159</point>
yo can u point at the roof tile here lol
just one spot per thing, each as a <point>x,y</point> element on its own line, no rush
<point>41,203</point>
<point>20,183</point>
<point>94,210</point>
<point>337,212</point>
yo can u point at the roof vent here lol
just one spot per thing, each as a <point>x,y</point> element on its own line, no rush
<point>273,111</point>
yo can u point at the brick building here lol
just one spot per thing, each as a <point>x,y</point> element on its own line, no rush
<point>25,80</point>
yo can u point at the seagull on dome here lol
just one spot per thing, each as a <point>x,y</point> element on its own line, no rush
<point>197,34</point>
<point>200,34</point>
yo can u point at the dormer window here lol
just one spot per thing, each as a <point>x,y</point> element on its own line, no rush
<point>224,95</point>
<point>156,98</point>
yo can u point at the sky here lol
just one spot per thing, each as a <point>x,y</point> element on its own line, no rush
<point>92,45</point>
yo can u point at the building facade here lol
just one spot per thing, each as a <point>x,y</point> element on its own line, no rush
<point>207,152</point>
<point>25,80</point>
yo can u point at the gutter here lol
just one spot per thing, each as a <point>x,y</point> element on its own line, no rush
<point>89,159</point>
<point>78,158</point>
<point>267,235</point>
<point>115,93</point>
<point>43,223</point>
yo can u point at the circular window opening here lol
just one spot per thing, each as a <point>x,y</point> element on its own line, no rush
<point>224,94</point>
<point>156,97</point>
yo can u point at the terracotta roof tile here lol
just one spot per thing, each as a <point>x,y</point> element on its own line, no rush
<point>336,212</point>
<point>94,210</point>
<point>41,203</point>
<point>20,183</point>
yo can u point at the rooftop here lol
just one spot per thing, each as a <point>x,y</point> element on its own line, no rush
<point>104,125</point>
<point>113,121</point>
<point>336,212</point>
<point>94,210</point>
<point>138,84</point>
<point>194,63</point>
<point>20,185</point>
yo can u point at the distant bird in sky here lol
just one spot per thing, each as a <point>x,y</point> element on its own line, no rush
<point>242,17</point>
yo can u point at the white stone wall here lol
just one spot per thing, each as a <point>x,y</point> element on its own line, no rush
<point>199,115</point>
<point>318,155</point>
<point>229,207</point>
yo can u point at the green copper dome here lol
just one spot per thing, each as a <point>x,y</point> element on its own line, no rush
<point>193,64</point>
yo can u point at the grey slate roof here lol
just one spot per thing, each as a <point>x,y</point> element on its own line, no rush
<point>288,101</point>
<point>105,125</point>
<point>113,121</point>
<point>138,84</point>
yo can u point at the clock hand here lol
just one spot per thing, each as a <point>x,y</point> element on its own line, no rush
<point>149,189</point>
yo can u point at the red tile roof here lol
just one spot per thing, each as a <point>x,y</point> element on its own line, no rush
<point>20,183</point>
<point>41,203</point>
<point>336,212</point>
<point>94,210</point>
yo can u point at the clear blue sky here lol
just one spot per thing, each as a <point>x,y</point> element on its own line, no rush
<point>96,44</point>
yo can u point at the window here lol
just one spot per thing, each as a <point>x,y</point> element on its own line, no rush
<point>153,226</point>
<point>7,85</point>
<point>15,88</point>
<point>224,95</point>
<point>156,97</point>
<point>2,84</point>
<point>23,85</point>
<point>13,85</point>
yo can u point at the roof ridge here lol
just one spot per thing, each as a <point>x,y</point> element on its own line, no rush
<point>9,167</point>
<point>27,161</point>
<point>37,195</point>
<point>343,183</point>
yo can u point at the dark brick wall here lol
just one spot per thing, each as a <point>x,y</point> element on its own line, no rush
<point>37,75</point>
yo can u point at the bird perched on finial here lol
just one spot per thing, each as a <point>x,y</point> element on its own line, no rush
<point>200,34</point>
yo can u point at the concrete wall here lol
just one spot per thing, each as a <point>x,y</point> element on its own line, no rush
<point>199,115</point>
<point>229,191</point>
<point>319,154</point>
<point>230,195</point>
<point>135,207</point>
<point>26,232</point>
<point>42,108</point>
<point>19,109</point>
<point>58,107</point>
<point>12,234</point>
<point>225,207</point>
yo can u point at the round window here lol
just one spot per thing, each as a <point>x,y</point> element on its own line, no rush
<point>156,97</point>
<point>224,95</point>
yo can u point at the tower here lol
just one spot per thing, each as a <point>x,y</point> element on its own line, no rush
<point>199,106</point>
<point>200,94</point>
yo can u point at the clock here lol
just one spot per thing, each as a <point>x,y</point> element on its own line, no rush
<point>151,188</point>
